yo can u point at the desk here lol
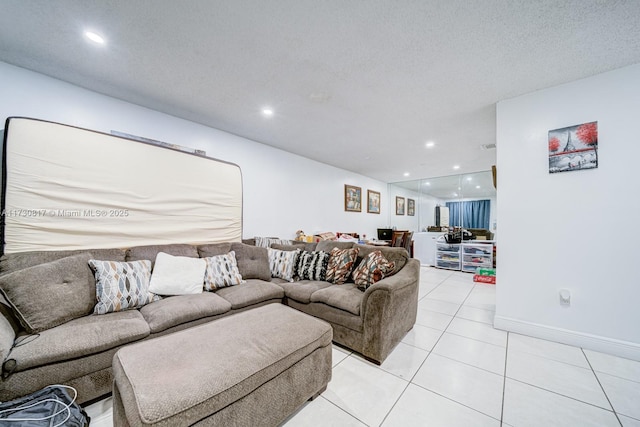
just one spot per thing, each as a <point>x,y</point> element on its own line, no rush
<point>377,242</point>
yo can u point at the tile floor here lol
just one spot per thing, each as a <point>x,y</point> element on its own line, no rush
<point>454,369</point>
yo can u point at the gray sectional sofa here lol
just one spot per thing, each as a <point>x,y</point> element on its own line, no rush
<point>80,352</point>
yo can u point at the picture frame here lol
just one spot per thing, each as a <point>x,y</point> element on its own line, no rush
<point>352,198</point>
<point>373,201</point>
<point>573,148</point>
<point>411,207</point>
<point>399,205</point>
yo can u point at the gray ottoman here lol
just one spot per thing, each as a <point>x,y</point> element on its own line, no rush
<point>253,368</point>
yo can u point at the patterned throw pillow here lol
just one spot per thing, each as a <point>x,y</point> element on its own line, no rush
<point>122,285</point>
<point>266,242</point>
<point>282,263</point>
<point>372,269</point>
<point>222,271</point>
<point>341,263</point>
<point>312,265</point>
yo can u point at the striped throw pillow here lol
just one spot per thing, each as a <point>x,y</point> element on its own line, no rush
<point>341,263</point>
<point>372,269</point>
<point>312,265</point>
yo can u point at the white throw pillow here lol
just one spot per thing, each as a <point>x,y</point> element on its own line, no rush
<point>177,275</point>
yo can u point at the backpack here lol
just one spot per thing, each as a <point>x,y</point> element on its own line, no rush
<point>50,406</point>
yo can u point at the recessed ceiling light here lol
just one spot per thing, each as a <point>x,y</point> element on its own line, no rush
<point>469,178</point>
<point>94,37</point>
<point>455,194</point>
<point>456,166</point>
<point>427,183</point>
<point>478,187</point>
<point>406,174</point>
<point>267,112</point>
<point>430,144</point>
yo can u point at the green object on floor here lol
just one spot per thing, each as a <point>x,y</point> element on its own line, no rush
<point>486,271</point>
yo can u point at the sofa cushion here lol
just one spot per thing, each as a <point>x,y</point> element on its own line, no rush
<point>121,285</point>
<point>282,264</point>
<point>221,271</point>
<point>253,262</point>
<point>304,246</point>
<point>371,270</point>
<point>327,245</point>
<point>341,263</point>
<point>252,292</point>
<point>398,256</point>
<point>214,249</point>
<point>19,261</point>
<point>80,337</point>
<point>312,265</point>
<point>176,310</point>
<point>301,291</point>
<point>177,275</point>
<point>151,252</point>
<point>345,297</point>
<point>50,294</point>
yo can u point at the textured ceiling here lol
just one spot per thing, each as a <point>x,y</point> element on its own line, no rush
<point>361,85</point>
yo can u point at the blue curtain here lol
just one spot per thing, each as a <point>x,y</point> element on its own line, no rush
<point>474,214</point>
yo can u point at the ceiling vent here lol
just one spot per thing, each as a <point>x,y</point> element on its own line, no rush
<point>488,146</point>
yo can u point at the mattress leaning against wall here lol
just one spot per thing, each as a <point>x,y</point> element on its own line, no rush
<point>67,188</point>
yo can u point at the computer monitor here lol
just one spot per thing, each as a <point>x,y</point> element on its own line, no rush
<point>385,233</point>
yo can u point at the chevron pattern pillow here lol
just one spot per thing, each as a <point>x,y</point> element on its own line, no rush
<point>121,285</point>
<point>341,263</point>
<point>222,271</point>
<point>372,269</point>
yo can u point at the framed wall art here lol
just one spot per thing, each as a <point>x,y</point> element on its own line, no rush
<point>373,202</point>
<point>399,205</point>
<point>352,198</point>
<point>573,148</point>
<point>411,207</point>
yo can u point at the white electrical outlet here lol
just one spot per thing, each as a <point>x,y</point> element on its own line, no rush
<point>565,297</point>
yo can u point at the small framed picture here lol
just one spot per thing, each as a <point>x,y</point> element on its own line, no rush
<point>399,205</point>
<point>373,202</point>
<point>411,207</point>
<point>352,198</point>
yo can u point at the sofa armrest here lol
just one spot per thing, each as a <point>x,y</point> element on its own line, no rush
<point>389,310</point>
<point>7,337</point>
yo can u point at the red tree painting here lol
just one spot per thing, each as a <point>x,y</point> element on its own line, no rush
<point>554,144</point>
<point>588,133</point>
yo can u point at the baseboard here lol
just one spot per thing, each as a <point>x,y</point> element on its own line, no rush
<point>620,348</point>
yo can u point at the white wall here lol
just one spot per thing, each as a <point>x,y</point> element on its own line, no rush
<point>573,230</point>
<point>283,192</point>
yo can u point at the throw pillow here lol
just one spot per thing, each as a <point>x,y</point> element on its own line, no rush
<point>222,271</point>
<point>372,269</point>
<point>341,263</point>
<point>121,285</point>
<point>312,265</point>
<point>282,263</point>
<point>47,295</point>
<point>265,242</point>
<point>177,275</point>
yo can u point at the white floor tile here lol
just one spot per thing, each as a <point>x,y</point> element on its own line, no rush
<point>476,314</point>
<point>425,288</point>
<point>477,330</point>
<point>613,365</point>
<point>338,354</point>
<point>485,300</point>
<point>404,361</point>
<point>623,394</point>
<point>320,412</point>
<point>420,407</point>
<point>433,319</point>
<point>422,337</point>
<point>473,387</point>
<point>628,422</point>
<point>472,352</point>
<point>549,349</point>
<point>568,380</point>
<point>443,294</point>
<point>439,306</point>
<point>364,391</point>
<point>525,405</point>
<point>101,413</point>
